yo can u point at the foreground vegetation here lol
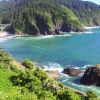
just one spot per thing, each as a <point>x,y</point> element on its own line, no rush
<point>27,81</point>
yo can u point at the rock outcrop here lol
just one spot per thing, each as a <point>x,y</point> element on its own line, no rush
<point>91,76</point>
<point>72,71</point>
<point>53,74</point>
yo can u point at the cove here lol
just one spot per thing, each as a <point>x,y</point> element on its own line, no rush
<point>59,51</point>
<point>78,50</point>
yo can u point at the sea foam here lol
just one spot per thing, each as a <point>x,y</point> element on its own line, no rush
<point>2,39</point>
<point>53,67</point>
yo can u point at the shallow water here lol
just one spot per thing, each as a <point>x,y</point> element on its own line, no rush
<point>56,52</point>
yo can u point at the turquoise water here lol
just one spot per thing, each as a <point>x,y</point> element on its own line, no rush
<point>56,52</point>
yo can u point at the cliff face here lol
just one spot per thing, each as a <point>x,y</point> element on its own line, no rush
<point>46,17</point>
<point>40,17</point>
<point>87,12</point>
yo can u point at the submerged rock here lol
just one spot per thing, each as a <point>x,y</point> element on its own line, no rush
<point>91,76</point>
<point>72,71</point>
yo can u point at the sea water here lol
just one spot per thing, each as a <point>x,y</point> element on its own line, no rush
<point>58,52</point>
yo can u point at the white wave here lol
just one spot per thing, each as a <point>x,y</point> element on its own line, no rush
<point>65,76</point>
<point>71,33</point>
<point>86,66</point>
<point>72,66</point>
<point>52,36</point>
<point>85,87</point>
<point>6,38</point>
<point>44,37</point>
<point>88,32</point>
<point>80,33</point>
<point>65,35</point>
<point>78,85</point>
<point>53,67</point>
<point>65,80</point>
<point>92,27</point>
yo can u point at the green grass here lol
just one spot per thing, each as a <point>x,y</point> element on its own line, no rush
<point>10,92</point>
<point>6,86</point>
<point>31,83</point>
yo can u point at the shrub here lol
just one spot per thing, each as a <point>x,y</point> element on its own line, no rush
<point>25,96</point>
<point>40,74</point>
<point>91,95</point>
<point>5,57</point>
<point>28,80</point>
<point>28,64</point>
<point>46,95</point>
<point>67,95</point>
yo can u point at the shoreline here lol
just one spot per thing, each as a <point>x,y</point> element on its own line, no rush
<point>36,37</point>
<point>91,27</point>
<point>6,34</point>
<point>54,74</point>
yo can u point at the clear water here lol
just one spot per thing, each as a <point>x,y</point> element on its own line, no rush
<point>56,52</point>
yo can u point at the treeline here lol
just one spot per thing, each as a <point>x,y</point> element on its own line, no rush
<point>87,12</point>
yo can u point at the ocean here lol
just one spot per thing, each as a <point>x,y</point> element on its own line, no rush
<point>79,50</point>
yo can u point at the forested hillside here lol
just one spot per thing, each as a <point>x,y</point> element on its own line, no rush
<point>41,16</point>
<point>87,12</point>
<point>47,17</point>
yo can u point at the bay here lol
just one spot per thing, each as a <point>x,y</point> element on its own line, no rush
<point>57,52</point>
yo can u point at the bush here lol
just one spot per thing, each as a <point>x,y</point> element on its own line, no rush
<point>5,57</point>
<point>91,95</point>
<point>28,64</point>
<point>46,95</point>
<point>67,95</point>
<point>40,74</point>
<point>25,96</point>
<point>28,80</point>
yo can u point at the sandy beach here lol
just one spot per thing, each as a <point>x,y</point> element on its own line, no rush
<point>4,34</point>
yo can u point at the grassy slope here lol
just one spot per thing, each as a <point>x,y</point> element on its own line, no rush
<point>6,87</point>
<point>10,92</point>
<point>15,82</point>
<point>26,81</point>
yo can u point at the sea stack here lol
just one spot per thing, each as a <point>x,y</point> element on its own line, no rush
<point>91,76</point>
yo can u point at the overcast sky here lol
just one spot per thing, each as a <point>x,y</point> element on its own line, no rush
<point>95,1</point>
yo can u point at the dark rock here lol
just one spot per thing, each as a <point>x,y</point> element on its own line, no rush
<point>91,76</point>
<point>66,27</point>
<point>72,71</point>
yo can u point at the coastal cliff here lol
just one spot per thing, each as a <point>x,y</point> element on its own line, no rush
<point>40,18</point>
<point>48,16</point>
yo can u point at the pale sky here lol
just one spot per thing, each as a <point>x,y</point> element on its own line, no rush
<point>95,1</point>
